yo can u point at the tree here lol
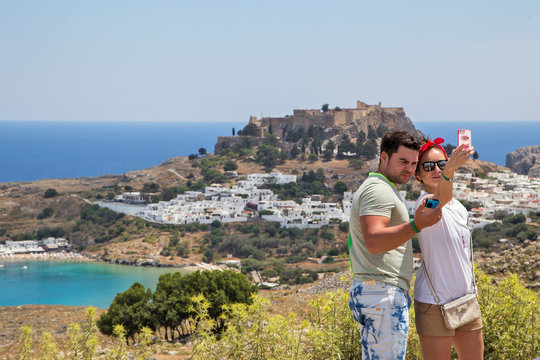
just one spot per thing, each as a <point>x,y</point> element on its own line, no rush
<point>369,150</point>
<point>173,299</point>
<point>202,151</point>
<point>449,148</point>
<point>515,219</point>
<point>49,193</point>
<point>150,187</point>
<point>271,139</point>
<point>328,153</point>
<point>371,133</point>
<point>233,132</point>
<point>340,187</point>
<point>294,152</point>
<point>267,156</point>
<point>500,214</point>
<point>346,144</point>
<point>208,256</point>
<point>475,155</point>
<point>131,309</point>
<point>230,166</point>
<point>249,130</point>
<point>168,194</point>
<point>361,137</point>
<point>324,108</point>
<point>50,232</point>
<point>315,145</point>
<point>47,212</point>
<point>213,176</point>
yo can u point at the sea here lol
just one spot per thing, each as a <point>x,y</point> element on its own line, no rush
<point>74,283</point>
<point>33,150</point>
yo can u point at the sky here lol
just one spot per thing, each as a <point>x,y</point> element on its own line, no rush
<point>227,60</point>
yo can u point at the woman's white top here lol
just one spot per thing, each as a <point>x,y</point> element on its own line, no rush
<point>446,249</point>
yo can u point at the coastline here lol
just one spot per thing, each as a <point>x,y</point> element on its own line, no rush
<point>73,256</point>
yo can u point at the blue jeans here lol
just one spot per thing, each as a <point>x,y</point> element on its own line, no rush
<point>382,310</point>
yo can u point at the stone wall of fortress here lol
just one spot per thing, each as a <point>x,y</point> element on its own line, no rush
<point>335,122</point>
<point>306,118</point>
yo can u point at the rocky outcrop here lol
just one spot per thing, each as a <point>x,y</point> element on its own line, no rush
<point>525,161</point>
<point>332,124</point>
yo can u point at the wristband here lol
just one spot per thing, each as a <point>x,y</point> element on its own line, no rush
<point>414,227</point>
<point>445,178</point>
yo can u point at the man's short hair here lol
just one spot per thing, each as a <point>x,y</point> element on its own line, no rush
<point>392,140</point>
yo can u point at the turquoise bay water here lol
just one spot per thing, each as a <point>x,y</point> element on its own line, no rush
<point>71,283</point>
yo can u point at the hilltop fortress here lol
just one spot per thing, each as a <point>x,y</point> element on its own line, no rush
<point>334,123</point>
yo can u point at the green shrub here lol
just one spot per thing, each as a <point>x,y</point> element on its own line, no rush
<point>49,193</point>
<point>510,317</point>
<point>509,311</point>
<point>344,227</point>
<point>47,212</point>
<point>328,333</point>
<point>510,320</point>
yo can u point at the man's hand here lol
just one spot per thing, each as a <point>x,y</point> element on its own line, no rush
<point>424,217</point>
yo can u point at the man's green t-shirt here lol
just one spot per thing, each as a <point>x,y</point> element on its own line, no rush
<point>378,196</point>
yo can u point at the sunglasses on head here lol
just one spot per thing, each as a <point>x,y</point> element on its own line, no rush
<point>430,165</point>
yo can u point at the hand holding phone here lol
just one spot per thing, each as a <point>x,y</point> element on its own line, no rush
<point>432,203</point>
<point>464,137</point>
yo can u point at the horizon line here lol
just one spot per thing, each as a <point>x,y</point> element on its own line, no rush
<point>234,121</point>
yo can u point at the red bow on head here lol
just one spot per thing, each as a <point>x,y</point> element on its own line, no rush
<point>437,142</point>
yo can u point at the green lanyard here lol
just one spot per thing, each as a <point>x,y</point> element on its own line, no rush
<point>384,177</point>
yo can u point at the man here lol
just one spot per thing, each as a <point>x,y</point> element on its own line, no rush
<point>380,250</point>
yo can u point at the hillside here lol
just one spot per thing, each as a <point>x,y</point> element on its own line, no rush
<point>22,203</point>
<point>138,241</point>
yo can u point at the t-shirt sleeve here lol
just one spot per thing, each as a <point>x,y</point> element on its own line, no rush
<point>377,199</point>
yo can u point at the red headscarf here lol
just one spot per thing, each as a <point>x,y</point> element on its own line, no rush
<point>437,143</point>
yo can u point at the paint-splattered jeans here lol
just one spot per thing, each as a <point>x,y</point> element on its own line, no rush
<point>382,311</point>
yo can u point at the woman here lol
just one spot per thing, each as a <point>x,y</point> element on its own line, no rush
<point>446,251</point>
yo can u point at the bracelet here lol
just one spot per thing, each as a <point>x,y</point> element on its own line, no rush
<point>445,178</point>
<point>414,227</point>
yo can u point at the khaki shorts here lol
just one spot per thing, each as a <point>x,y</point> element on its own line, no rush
<point>429,321</point>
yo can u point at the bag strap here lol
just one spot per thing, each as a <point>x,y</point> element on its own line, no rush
<point>429,283</point>
<point>429,280</point>
<point>472,265</point>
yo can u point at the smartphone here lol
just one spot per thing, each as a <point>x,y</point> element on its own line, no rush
<point>432,203</point>
<point>464,137</point>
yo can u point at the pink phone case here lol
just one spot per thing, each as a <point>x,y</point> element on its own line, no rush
<point>464,137</point>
